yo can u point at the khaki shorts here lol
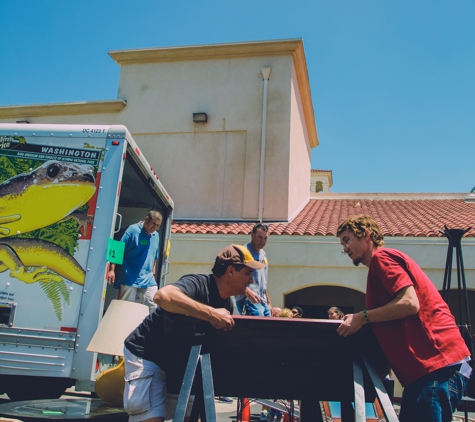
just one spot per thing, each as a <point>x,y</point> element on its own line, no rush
<point>143,296</point>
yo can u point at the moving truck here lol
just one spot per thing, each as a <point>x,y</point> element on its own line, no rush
<point>65,192</point>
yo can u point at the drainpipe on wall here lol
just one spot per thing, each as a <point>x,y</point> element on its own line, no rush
<point>265,73</point>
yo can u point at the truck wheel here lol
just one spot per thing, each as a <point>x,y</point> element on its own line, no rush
<point>37,388</point>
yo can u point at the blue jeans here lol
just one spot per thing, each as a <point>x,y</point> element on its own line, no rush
<point>433,397</point>
<point>252,309</point>
<point>274,415</point>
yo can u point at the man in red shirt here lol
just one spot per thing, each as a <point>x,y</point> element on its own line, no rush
<point>412,323</point>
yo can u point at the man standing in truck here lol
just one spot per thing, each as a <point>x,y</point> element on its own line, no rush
<point>203,296</point>
<point>141,252</point>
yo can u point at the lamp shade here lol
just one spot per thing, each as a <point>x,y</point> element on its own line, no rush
<point>120,319</point>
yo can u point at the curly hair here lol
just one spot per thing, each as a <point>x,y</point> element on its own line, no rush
<point>358,224</point>
<point>286,313</point>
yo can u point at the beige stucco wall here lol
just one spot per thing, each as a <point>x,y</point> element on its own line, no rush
<point>205,172</point>
<point>212,170</point>
<point>300,152</point>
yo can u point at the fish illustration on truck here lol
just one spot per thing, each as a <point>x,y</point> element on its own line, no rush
<point>50,193</point>
<point>57,190</point>
<point>17,254</point>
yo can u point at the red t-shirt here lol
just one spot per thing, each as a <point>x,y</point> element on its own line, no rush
<point>421,343</point>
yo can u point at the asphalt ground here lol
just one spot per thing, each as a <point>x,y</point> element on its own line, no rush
<point>225,412</point>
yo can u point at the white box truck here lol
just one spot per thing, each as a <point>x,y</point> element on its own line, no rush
<point>65,191</point>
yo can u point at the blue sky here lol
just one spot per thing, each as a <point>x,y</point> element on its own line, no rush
<point>393,82</point>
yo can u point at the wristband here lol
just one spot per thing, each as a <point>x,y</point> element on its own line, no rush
<point>366,316</point>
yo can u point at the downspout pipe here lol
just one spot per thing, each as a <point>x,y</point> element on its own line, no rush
<point>265,73</point>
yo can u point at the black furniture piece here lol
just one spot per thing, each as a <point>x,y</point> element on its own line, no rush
<point>302,359</point>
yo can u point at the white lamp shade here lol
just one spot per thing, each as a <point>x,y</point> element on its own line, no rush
<point>120,319</point>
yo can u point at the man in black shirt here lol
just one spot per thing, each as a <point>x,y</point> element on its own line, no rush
<point>203,296</point>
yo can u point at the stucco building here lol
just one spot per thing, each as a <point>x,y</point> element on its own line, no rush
<point>249,159</point>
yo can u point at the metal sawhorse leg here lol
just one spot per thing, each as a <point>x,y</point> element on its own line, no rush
<point>205,395</point>
<point>311,412</point>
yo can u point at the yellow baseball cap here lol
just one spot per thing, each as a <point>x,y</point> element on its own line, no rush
<point>238,255</point>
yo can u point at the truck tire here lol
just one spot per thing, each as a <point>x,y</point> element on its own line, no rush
<point>36,388</point>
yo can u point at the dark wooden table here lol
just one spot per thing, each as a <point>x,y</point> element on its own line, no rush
<point>302,359</point>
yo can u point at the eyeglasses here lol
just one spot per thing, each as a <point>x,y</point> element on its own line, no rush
<point>346,245</point>
<point>295,312</point>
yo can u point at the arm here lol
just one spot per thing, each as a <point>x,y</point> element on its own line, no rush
<point>252,296</point>
<point>268,301</point>
<point>404,304</point>
<point>172,299</point>
<point>111,274</point>
<point>154,269</point>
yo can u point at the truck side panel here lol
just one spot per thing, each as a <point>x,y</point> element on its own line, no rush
<point>47,196</point>
<point>60,189</point>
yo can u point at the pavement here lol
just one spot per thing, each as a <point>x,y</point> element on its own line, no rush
<point>225,412</point>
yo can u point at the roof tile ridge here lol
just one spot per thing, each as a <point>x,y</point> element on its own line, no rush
<point>313,217</point>
<point>301,222</point>
<point>405,225</point>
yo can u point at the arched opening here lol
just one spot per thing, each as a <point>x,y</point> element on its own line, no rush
<point>316,300</point>
<point>318,186</point>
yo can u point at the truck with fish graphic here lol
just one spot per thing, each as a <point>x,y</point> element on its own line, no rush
<point>65,192</point>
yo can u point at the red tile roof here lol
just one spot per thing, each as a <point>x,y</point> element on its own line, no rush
<point>321,217</point>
